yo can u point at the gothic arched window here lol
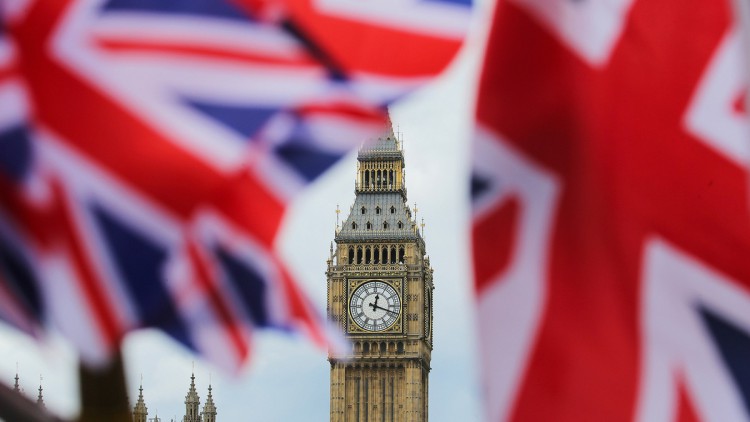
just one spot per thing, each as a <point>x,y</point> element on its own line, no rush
<point>393,210</point>
<point>385,224</point>
<point>354,226</point>
<point>377,210</point>
<point>369,226</point>
<point>364,210</point>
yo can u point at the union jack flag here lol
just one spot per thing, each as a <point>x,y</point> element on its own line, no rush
<point>149,148</point>
<point>611,224</point>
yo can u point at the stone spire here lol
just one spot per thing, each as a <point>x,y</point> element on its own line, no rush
<point>389,126</point>
<point>40,398</point>
<point>379,212</point>
<point>209,409</point>
<point>140,411</point>
<point>192,403</point>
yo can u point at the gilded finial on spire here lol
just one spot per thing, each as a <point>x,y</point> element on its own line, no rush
<point>338,211</point>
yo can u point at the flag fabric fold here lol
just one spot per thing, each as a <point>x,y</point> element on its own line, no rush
<point>149,149</point>
<point>611,218</point>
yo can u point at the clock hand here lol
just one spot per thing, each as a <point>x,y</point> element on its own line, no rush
<point>374,306</point>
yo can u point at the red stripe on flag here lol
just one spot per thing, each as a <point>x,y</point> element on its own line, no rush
<point>300,62</point>
<point>494,237</point>
<point>740,103</point>
<point>86,277</point>
<point>232,325</point>
<point>359,47</point>
<point>685,409</point>
<point>110,134</point>
<point>251,206</point>
<point>299,309</point>
<point>7,74</point>
<point>34,220</point>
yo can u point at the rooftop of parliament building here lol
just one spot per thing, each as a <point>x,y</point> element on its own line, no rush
<point>140,410</point>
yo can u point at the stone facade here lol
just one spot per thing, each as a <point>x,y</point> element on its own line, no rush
<point>192,406</point>
<point>379,284</point>
<point>140,410</point>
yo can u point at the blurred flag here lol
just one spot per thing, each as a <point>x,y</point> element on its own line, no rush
<point>149,148</point>
<point>611,217</point>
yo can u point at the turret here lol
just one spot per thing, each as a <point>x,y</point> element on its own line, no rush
<point>380,165</point>
<point>209,409</point>
<point>192,403</point>
<point>140,411</point>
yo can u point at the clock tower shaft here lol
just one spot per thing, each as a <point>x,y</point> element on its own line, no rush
<point>380,286</point>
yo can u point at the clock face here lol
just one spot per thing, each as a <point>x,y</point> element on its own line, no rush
<point>375,305</point>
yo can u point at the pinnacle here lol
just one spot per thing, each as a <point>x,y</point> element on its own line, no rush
<point>40,398</point>
<point>389,125</point>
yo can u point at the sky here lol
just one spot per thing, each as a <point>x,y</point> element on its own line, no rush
<point>288,378</point>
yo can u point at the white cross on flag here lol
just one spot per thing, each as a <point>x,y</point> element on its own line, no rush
<point>611,217</point>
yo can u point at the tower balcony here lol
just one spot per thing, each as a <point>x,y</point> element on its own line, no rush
<point>382,188</point>
<point>380,268</point>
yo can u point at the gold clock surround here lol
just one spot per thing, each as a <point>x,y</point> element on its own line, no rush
<point>353,285</point>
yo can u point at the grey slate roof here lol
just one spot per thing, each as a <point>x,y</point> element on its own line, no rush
<point>370,201</point>
<point>385,147</point>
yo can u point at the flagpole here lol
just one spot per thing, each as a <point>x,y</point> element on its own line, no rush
<point>104,392</point>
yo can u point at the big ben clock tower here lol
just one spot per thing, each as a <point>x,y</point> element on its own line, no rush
<point>380,295</point>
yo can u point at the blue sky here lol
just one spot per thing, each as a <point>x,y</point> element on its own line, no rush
<point>436,126</point>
